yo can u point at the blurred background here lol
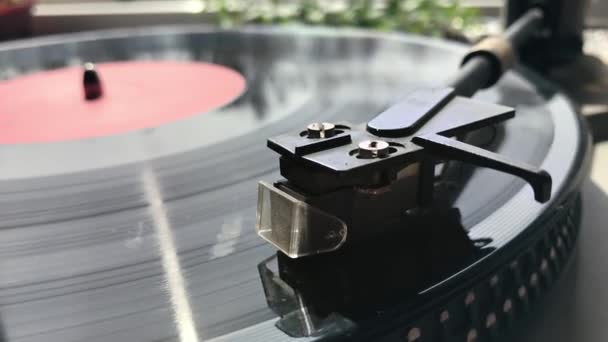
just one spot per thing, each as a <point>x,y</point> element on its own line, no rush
<point>422,16</point>
<point>454,19</point>
<point>457,19</point>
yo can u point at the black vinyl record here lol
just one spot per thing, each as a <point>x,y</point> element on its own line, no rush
<point>149,235</point>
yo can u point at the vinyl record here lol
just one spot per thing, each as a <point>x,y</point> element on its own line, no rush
<point>147,233</point>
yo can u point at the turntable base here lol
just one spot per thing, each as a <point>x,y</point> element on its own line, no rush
<point>575,310</point>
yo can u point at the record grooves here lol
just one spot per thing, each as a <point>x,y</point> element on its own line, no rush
<point>140,236</point>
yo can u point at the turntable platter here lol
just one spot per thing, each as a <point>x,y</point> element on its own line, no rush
<point>149,235</point>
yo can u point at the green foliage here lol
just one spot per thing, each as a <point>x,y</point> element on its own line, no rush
<point>431,17</point>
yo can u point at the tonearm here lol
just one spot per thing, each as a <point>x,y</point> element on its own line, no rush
<point>347,182</point>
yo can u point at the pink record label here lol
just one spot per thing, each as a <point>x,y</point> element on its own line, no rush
<point>50,105</point>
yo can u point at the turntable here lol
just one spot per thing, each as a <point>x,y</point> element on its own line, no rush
<point>396,203</point>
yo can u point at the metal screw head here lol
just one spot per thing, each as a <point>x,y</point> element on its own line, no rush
<point>321,130</point>
<point>373,149</point>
